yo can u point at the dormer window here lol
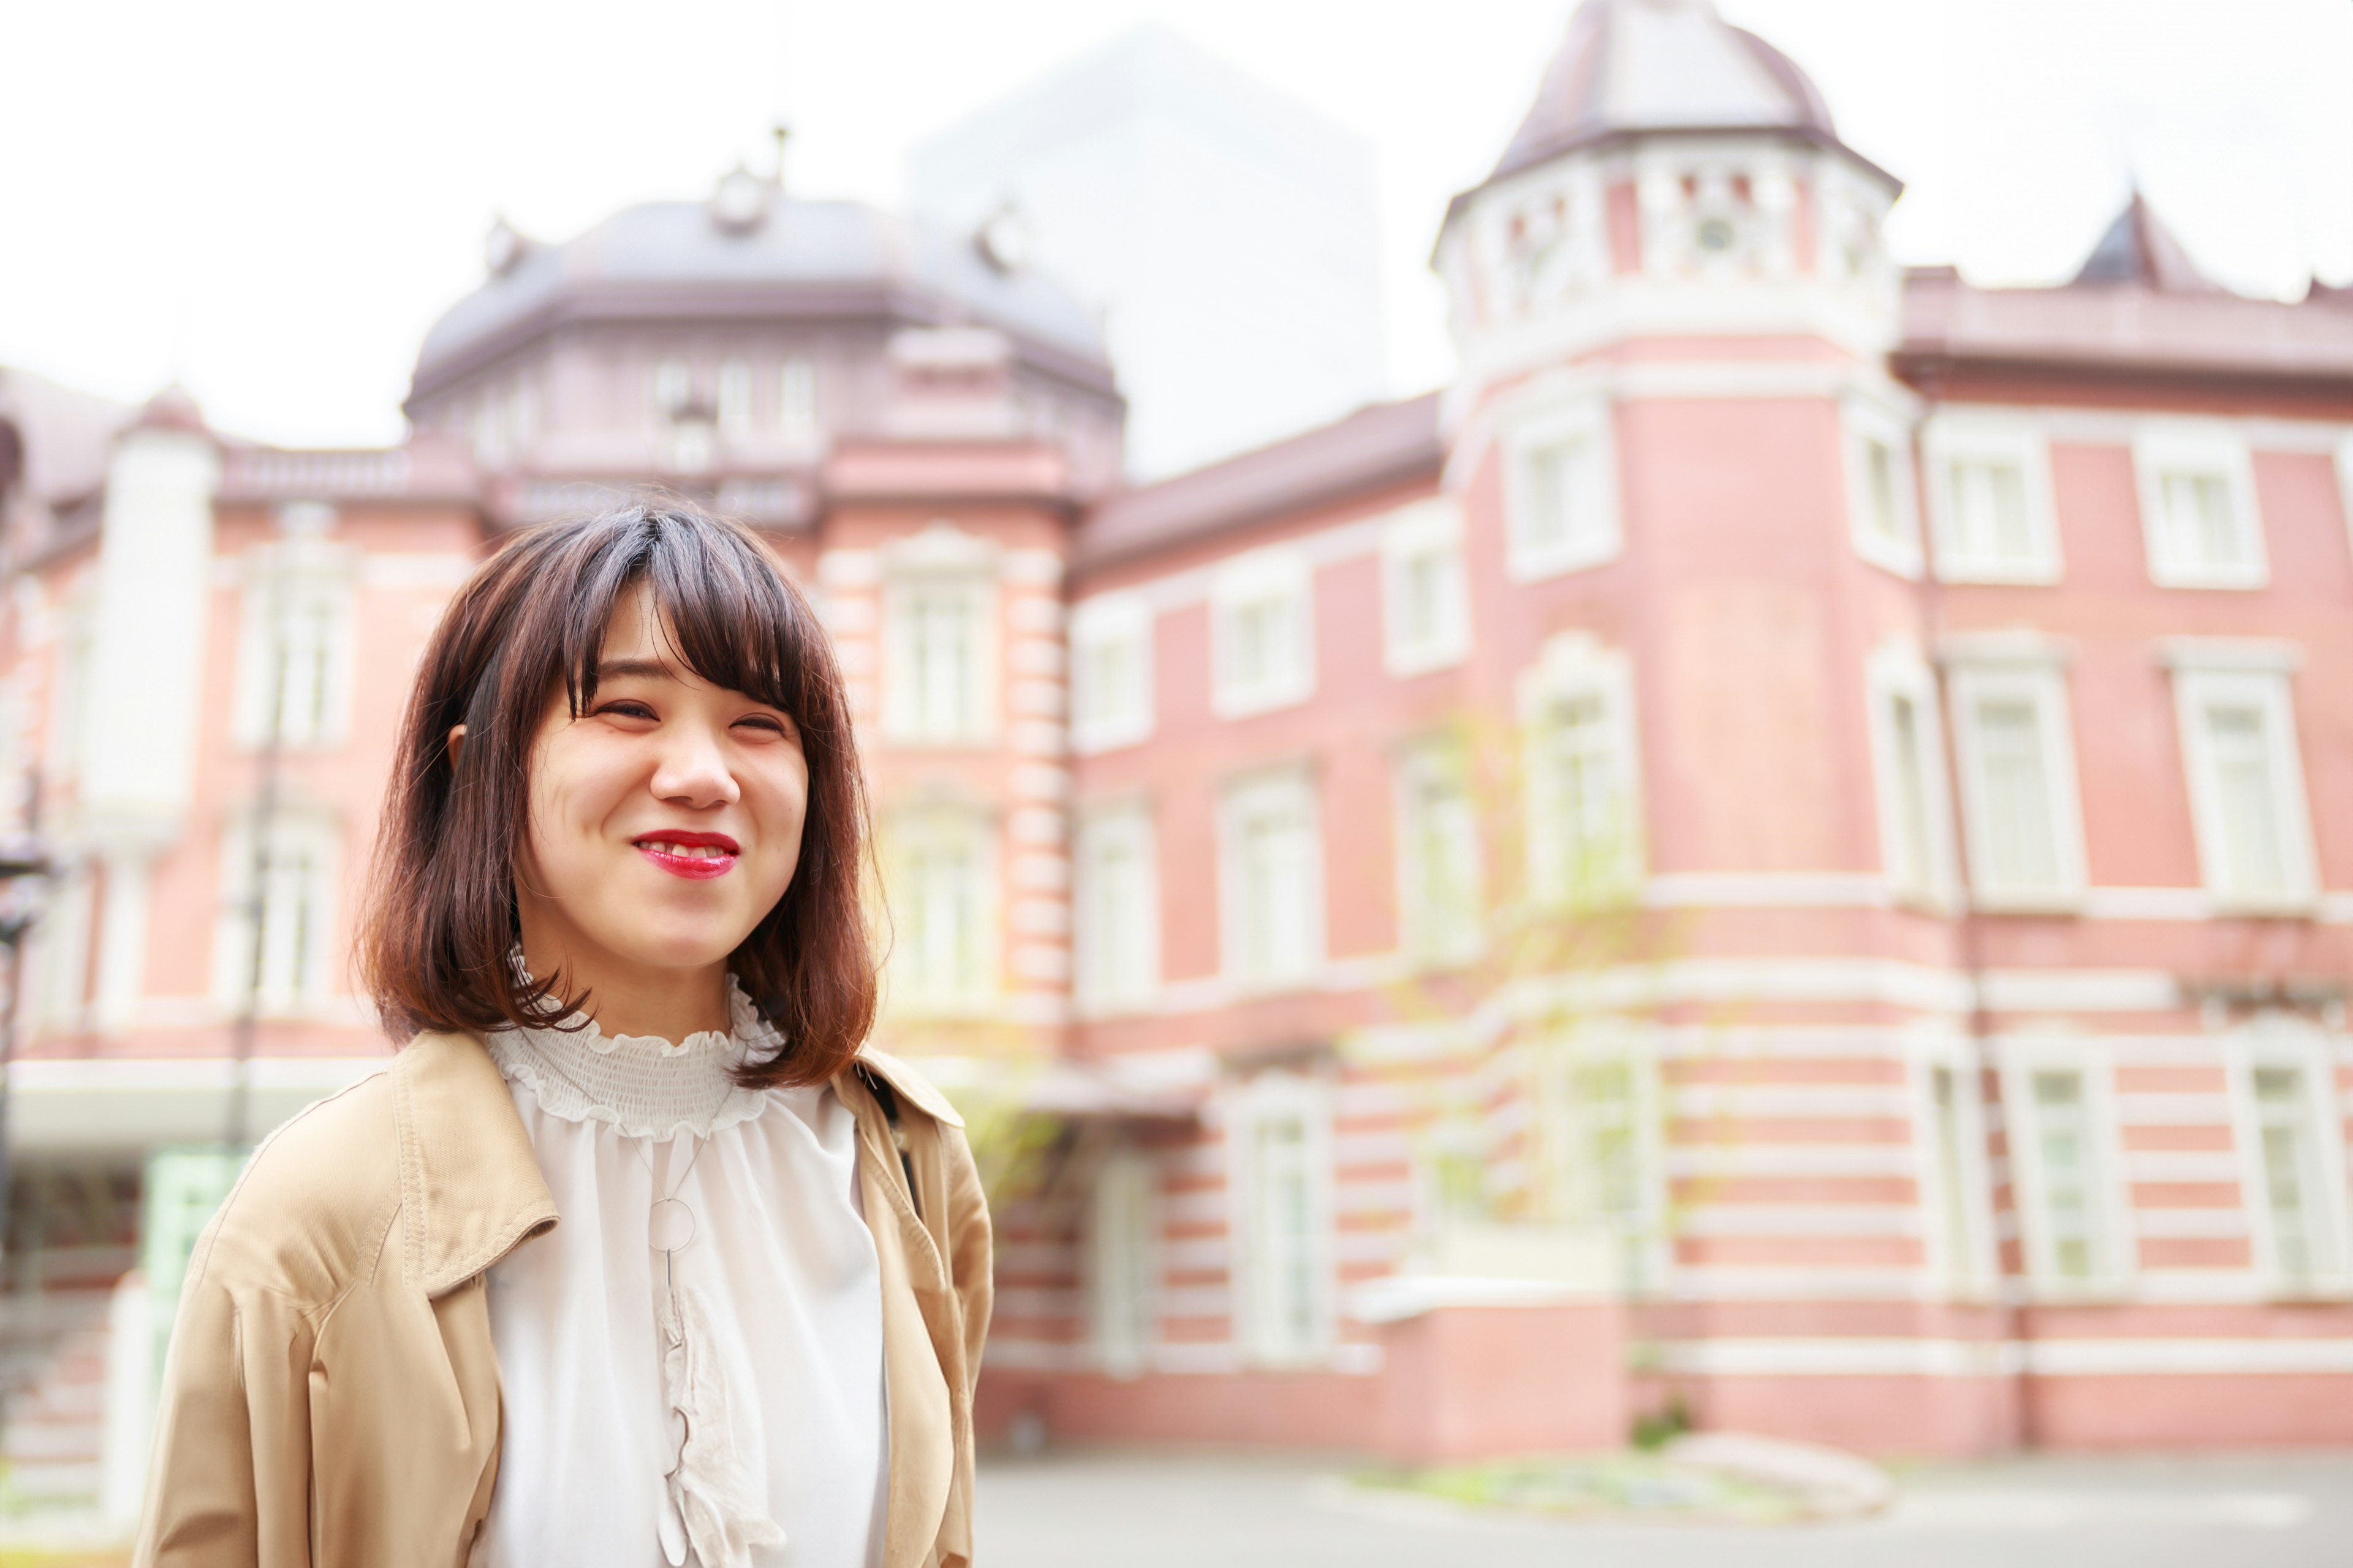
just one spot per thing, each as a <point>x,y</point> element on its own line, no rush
<point>1709,221</point>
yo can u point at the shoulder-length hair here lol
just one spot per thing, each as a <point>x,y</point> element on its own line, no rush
<point>440,918</point>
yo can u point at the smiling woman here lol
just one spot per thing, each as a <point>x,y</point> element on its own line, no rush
<point>636,1253</point>
<point>598,683</point>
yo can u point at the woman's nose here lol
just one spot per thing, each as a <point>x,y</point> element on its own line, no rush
<point>693,769</point>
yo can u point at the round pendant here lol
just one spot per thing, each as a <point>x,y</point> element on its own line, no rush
<point>670,1225</point>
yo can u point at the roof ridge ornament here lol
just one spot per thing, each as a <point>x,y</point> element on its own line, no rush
<point>740,202</point>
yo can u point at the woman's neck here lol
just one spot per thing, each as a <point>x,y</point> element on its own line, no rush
<point>626,997</point>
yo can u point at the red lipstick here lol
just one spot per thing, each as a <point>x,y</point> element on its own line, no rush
<point>697,857</point>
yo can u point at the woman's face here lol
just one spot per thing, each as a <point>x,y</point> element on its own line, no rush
<point>665,819</point>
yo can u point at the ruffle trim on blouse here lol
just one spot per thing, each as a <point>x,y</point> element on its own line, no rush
<point>642,1086</point>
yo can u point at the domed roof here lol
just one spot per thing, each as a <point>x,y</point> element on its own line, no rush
<point>683,257</point>
<point>1662,65</point>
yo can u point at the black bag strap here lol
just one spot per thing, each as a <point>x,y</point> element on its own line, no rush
<point>888,1099</point>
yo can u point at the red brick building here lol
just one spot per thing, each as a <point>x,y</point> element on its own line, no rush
<point>1780,846</point>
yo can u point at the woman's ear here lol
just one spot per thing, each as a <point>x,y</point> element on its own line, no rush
<point>456,742</point>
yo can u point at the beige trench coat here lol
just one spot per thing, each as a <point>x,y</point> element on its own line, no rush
<point>330,1399</point>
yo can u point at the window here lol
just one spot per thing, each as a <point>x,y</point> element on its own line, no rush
<point>1282,1151</point>
<point>1989,500</point>
<point>295,658</point>
<point>1560,493</point>
<point>1262,634</point>
<point>1271,881</point>
<point>1610,1137</point>
<point>735,397</point>
<point>2292,1133</point>
<point>1124,1262</point>
<point>1440,904</point>
<point>2199,520</point>
<point>1584,830</point>
<point>61,945</point>
<point>673,388</point>
<point>1913,839</point>
<point>2071,1208</point>
<point>1111,673</point>
<point>942,911</point>
<point>2018,788</point>
<point>1425,610</point>
<point>1955,1190</point>
<point>1879,489</point>
<point>796,413</point>
<point>296,875</point>
<point>1118,935</point>
<point>2246,785</point>
<point>943,643</point>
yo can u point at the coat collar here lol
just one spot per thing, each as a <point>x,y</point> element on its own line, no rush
<point>467,1173</point>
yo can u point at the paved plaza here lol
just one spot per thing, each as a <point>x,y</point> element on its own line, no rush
<point>1152,1510</point>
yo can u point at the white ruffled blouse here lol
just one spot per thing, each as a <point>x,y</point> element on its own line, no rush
<point>720,1404</point>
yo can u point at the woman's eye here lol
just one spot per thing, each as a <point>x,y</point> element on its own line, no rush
<point>627,709</point>
<point>764,722</point>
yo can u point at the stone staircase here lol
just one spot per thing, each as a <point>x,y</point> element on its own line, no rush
<point>53,1371</point>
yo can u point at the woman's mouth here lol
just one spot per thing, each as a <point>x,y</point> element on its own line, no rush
<point>697,857</point>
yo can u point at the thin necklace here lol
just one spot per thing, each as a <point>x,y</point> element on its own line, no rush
<point>670,1223</point>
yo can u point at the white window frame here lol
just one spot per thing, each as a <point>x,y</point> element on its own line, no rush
<point>733,400</point>
<point>1899,672</point>
<point>1575,664</point>
<point>2043,685</point>
<point>797,418</point>
<point>2280,1041</point>
<point>2114,1272</point>
<point>1594,422</point>
<point>2197,685</point>
<point>910,829</point>
<point>1291,789</point>
<point>1643,1254</point>
<point>2218,450</point>
<point>1260,577</point>
<point>1122,1278</point>
<point>1974,1273</point>
<point>1097,622</point>
<point>283,578</point>
<point>1425,530</point>
<point>1100,987</point>
<point>1271,1096</point>
<point>906,722</point>
<point>1417,936</point>
<point>1949,438</point>
<point>1865,425</point>
<point>306,992</point>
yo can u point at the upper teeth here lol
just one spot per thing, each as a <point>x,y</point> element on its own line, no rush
<point>700,851</point>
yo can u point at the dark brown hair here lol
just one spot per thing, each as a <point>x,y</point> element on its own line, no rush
<point>440,919</point>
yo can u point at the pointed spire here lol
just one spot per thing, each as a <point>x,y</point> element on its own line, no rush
<point>2140,249</point>
<point>1661,65</point>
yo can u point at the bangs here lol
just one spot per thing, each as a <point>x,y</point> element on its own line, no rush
<point>722,610</point>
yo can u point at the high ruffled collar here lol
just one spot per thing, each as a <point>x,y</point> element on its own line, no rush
<point>641,1085</point>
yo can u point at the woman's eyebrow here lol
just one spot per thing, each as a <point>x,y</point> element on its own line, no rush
<point>649,669</point>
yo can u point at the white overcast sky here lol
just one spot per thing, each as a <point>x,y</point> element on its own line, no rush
<point>270,200</point>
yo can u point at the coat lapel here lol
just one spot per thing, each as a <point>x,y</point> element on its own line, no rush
<point>467,1171</point>
<point>922,1435</point>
